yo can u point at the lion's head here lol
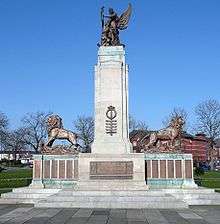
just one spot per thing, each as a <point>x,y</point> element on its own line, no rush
<point>54,121</point>
<point>177,122</point>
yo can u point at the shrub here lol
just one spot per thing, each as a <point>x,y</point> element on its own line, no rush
<point>199,171</point>
<point>13,183</point>
<point>21,173</point>
<point>1,169</point>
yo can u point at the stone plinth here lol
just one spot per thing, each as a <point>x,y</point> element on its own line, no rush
<point>55,171</point>
<point>111,172</point>
<point>111,102</point>
<point>169,170</point>
<point>111,165</point>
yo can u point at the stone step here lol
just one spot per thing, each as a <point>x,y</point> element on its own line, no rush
<point>203,202</point>
<point>110,193</point>
<point>25,195</point>
<point>109,185</point>
<point>35,190</point>
<point>111,199</point>
<point>85,199</point>
<point>200,196</point>
<point>195,196</point>
<point>189,191</point>
<point>12,201</point>
<point>112,204</point>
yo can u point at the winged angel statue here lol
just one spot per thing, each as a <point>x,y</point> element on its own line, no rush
<point>111,27</point>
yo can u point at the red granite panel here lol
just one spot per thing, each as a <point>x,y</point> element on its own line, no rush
<point>76,167</point>
<point>170,169</point>
<point>69,169</point>
<point>54,169</point>
<point>162,168</point>
<point>47,169</point>
<point>37,169</point>
<point>188,168</point>
<point>178,169</point>
<point>61,169</point>
<point>148,167</point>
<point>155,169</point>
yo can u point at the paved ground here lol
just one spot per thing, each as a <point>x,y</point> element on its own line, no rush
<point>19,214</point>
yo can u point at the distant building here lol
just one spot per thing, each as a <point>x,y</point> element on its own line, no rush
<point>217,149</point>
<point>196,145</point>
<point>25,156</point>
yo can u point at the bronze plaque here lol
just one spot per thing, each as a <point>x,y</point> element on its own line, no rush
<point>178,169</point>
<point>148,168</point>
<point>163,169</point>
<point>69,169</point>
<point>155,169</point>
<point>107,170</point>
<point>54,169</point>
<point>47,169</point>
<point>37,169</point>
<point>170,169</point>
<point>188,168</point>
<point>76,169</point>
<point>61,169</point>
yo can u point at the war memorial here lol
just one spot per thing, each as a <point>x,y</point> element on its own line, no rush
<point>112,175</point>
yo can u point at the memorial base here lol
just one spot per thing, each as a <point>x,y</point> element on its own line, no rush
<point>55,171</point>
<point>111,172</point>
<point>169,170</point>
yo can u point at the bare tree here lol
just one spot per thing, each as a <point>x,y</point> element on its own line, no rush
<point>208,122</point>
<point>3,129</point>
<point>34,129</point>
<point>175,113</point>
<point>14,142</point>
<point>84,126</point>
<point>137,125</point>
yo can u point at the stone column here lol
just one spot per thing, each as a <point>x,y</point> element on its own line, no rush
<point>111,165</point>
<point>111,102</point>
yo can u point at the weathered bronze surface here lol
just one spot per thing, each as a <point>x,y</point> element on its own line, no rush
<point>111,123</point>
<point>165,139</point>
<point>55,131</point>
<point>108,170</point>
<point>59,150</point>
<point>111,27</point>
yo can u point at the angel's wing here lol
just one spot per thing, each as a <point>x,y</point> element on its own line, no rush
<point>124,18</point>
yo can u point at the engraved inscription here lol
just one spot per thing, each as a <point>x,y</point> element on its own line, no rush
<point>111,123</point>
<point>37,169</point>
<point>107,170</point>
<point>188,168</point>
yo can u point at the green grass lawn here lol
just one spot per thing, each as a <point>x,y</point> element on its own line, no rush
<point>15,178</point>
<point>210,179</point>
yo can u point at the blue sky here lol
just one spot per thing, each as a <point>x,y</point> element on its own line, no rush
<point>48,51</point>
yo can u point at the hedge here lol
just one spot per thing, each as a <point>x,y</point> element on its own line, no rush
<point>13,183</point>
<point>21,173</point>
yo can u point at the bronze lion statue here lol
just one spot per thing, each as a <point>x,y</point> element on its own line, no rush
<point>55,131</point>
<point>171,133</point>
